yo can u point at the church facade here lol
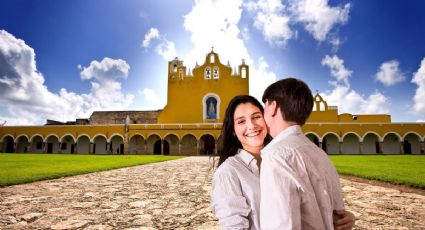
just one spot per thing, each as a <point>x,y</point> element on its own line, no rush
<point>190,123</point>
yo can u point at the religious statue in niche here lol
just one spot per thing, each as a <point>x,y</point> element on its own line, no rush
<point>211,104</point>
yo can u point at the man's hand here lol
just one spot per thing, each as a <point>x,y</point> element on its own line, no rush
<point>343,220</point>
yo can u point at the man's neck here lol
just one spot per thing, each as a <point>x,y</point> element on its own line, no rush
<point>281,126</point>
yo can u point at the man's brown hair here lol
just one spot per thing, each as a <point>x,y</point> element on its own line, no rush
<point>293,97</point>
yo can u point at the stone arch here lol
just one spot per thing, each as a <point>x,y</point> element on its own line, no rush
<point>391,143</point>
<point>22,144</point>
<point>37,144</point>
<point>371,143</point>
<point>173,147</point>
<point>151,143</point>
<point>350,143</point>
<point>83,144</point>
<point>411,143</point>
<point>207,144</point>
<point>116,144</point>
<point>52,143</point>
<point>313,138</point>
<point>100,144</point>
<point>189,144</point>
<point>137,144</point>
<point>67,144</point>
<point>330,143</point>
<point>8,144</point>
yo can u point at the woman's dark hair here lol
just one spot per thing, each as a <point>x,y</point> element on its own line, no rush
<point>229,144</point>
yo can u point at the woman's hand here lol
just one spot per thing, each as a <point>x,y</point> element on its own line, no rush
<point>343,220</point>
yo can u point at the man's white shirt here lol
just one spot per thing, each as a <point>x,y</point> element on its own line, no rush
<point>299,185</point>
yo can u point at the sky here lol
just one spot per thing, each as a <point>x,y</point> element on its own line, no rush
<point>62,60</point>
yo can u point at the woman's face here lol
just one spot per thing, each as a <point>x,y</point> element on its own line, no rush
<point>250,127</point>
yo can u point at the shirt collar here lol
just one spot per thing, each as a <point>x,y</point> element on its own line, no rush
<point>291,130</point>
<point>248,159</point>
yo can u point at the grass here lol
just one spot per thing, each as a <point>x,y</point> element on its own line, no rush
<point>24,168</point>
<point>396,169</point>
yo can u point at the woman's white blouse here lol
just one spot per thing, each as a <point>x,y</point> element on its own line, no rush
<point>235,194</point>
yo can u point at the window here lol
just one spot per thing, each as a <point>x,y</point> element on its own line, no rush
<point>211,105</point>
<point>211,58</point>
<point>243,74</point>
<point>207,73</point>
<point>215,73</point>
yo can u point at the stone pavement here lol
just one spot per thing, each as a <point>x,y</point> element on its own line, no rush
<point>170,195</point>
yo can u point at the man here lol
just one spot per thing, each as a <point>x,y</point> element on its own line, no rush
<point>299,186</point>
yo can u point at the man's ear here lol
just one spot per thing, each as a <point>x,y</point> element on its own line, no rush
<point>273,107</point>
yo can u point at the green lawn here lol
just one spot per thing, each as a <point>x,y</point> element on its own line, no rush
<point>396,169</point>
<point>24,168</point>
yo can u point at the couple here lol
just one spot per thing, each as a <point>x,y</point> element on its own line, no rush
<point>298,187</point>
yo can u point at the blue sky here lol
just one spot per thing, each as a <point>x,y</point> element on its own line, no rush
<point>62,60</point>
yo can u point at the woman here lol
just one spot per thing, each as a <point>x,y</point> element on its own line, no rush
<point>235,195</point>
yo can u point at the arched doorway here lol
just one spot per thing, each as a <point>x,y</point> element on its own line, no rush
<point>313,138</point>
<point>8,145</point>
<point>330,144</point>
<point>207,145</point>
<point>350,144</point>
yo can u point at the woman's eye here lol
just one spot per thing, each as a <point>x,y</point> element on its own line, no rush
<point>240,122</point>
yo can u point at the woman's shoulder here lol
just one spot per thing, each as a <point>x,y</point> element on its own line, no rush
<point>228,168</point>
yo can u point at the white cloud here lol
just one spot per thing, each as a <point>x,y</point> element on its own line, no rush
<point>26,100</point>
<point>165,48</point>
<point>150,95</point>
<point>272,22</point>
<point>389,73</point>
<point>337,67</point>
<point>319,18</point>
<point>152,34</point>
<point>275,20</point>
<point>347,99</point>
<point>419,80</point>
<point>215,23</point>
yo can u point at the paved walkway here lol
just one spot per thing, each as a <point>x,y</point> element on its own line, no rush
<point>170,195</point>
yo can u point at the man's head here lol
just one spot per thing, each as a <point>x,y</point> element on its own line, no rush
<point>293,98</point>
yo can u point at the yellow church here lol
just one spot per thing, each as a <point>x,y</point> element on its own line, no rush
<point>191,121</point>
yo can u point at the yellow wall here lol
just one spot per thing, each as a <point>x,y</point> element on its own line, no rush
<point>186,93</point>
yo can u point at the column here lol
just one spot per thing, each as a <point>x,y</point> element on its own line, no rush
<point>44,147</point>
<point>1,147</point>
<point>340,147</point>
<point>361,147</point>
<point>60,147</point>
<point>401,147</point>
<point>381,144</point>
<point>91,147</point>
<point>422,147</point>
<point>180,148</point>
<point>320,144</point>
<point>162,147</point>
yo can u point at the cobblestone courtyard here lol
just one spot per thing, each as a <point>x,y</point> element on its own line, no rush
<point>170,195</point>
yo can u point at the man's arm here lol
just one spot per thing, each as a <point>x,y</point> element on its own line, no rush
<point>280,200</point>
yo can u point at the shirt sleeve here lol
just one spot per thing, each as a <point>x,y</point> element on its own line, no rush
<point>227,201</point>
<point>280,206</point>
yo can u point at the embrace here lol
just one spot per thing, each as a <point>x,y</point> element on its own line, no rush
<point>270,175</point>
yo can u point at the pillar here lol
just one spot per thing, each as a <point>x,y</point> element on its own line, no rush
<point>340,147</point>
<point>401,147</point>
<point>361,148</point>
<point>381,144</point>
<point>91,146</point>
<point>422,148</point>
